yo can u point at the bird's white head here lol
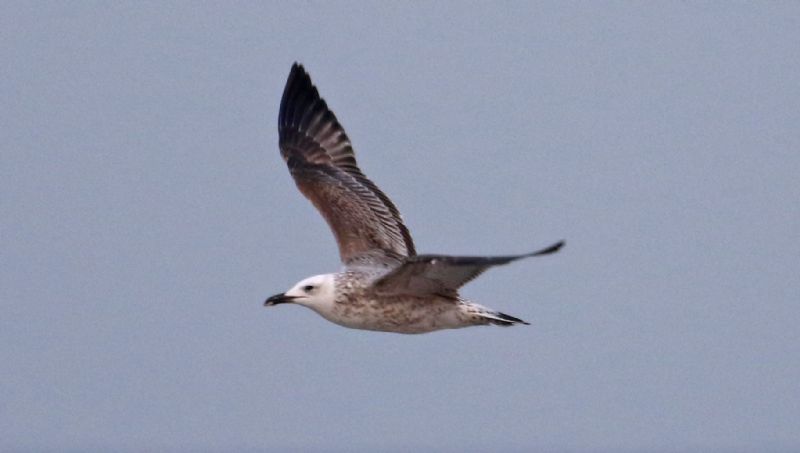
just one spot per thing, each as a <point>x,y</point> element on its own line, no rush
<point>317,292</point>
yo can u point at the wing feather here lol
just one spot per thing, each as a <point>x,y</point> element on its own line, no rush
<point>441,274</point>
<point>322,162</point>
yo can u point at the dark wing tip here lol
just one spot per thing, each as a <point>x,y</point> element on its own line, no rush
<point>308,128</point>
<point>552,249</point>
<point>297,95</point>
<point>298,74</point>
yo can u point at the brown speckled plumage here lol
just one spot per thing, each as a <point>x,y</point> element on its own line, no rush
<point>385,285</point>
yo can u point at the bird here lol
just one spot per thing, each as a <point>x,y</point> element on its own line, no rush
<point>384,285</point>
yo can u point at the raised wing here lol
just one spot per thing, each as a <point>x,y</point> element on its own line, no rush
<point>440,274</point>
<point>321,160</point>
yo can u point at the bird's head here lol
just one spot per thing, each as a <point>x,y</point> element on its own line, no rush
<point>313,292</point>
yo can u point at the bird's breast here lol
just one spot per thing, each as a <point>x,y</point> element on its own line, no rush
<point>395,314</point>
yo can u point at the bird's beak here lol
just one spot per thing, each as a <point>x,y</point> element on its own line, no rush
<point>278,299</point>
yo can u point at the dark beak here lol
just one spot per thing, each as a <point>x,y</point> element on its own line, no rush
<point>278,299</point>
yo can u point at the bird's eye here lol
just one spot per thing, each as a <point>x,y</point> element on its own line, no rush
<point>308,288</point>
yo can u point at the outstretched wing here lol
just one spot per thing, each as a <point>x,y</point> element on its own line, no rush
<point>440,274</point>
<point>321,160</point>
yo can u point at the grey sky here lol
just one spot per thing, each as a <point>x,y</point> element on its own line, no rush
<point>146,214</point>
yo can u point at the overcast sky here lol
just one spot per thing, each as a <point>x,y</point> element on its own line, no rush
<point>146,214</point>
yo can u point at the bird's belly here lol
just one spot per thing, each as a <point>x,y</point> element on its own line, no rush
<point>400,315</point>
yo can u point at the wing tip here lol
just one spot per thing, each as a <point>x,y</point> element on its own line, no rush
<point>551,249</point>
<point>298,92</point>
<point>297,70</point>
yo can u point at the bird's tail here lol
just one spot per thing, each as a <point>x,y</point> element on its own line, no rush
<point>484,315</point>
<point>501,319</point>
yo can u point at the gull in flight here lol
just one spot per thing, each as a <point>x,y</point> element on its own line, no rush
<point>384,285</point>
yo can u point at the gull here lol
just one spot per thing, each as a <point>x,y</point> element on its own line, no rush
<point>384,284</point>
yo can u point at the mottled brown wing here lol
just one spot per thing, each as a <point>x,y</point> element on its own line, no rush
<point>440,274</point>
<point>321,160</point>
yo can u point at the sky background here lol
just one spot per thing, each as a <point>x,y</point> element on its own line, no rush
<point>146,214</point>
